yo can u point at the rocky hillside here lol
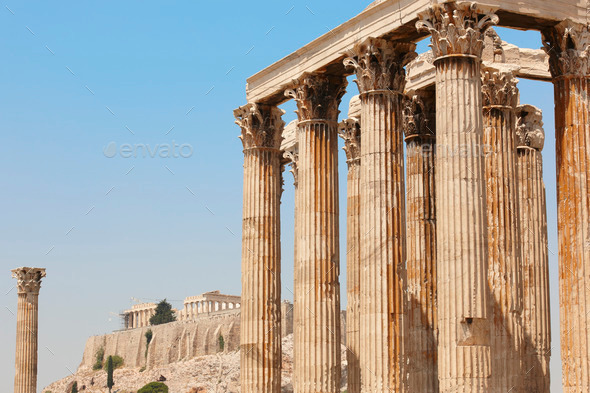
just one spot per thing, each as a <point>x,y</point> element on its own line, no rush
<point>218,373</point>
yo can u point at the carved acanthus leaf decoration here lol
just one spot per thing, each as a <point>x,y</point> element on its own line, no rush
<point>350,131</point>
<point>379,64</point>
<point>456,29</point>
<point>568,47</point>
<point>499,88</point>
<point>292,158</point>
<point>318,96</point>
<point>418,116</point>
<point>529,127</point>
<point>262,126</point>
<point>28,279</point>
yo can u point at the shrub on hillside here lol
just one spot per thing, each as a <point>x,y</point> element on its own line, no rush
<point>99,359</point>
<point>117,362</point>
<point>154,387</point>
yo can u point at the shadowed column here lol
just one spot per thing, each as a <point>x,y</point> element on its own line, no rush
<point>27,324</point>
<point>317,367</point>
<point>464,319</point>
<point>500,97</point>
<point>568,46</point>
<point>351,133</point>
<point>421,347</point>
<point>530,139</point>
<point>260,333</point>
<point>381,80</point>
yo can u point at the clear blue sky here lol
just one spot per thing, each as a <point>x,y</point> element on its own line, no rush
<point>76,78</point>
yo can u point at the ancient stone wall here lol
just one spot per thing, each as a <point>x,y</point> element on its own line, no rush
<point>176,341</point>
<point>171,342</point>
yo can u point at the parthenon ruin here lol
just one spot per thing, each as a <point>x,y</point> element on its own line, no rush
<point>446,254</point>
<point>207,303</point>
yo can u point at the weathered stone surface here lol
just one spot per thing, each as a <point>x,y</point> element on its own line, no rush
<point>535,255</point>
<point>393,18</point>
<point>568,45</point>
<point>378,65</point>
<point>523,62</point>
<point>351,133</point>
<point>203,374</point>
<point>27,325</point>
<point>171,342</point>
<point>421,344</point>
<point>260,342</point>
<point>464,319</point>
<point>500,97</point>
<point>317,286</point>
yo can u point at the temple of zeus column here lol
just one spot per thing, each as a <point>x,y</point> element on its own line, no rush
<point>260,332</point>
<point>464,320</point>
<point>317,265</point>
<point>500,98</point>
<point>351,133</point>
<point>530,139</point>
<point>447,275</point>
<point>568,47</point>
<point>27,324</point>
<point>420,136</point>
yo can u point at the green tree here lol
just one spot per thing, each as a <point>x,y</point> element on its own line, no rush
<point>221,342</point>
<point>163,314</point>
<point>154,387</point>
<point>75,387</point>
<point>110,369</point>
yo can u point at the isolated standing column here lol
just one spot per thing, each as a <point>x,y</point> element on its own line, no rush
<point>27,324</point>
<point>464,319</point>
<point>568,46</point>
<point>317,367</point>
<point>260,333</point>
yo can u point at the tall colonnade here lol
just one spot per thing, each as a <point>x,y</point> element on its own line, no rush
<point>446,253</point>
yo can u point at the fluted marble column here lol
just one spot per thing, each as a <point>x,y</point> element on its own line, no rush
<point>381,80</point>
<point>317,366</point>
<point>260,333</point>
<point>464,319</point>
<point>27,325</point>
<point>421,345</point>
<point>568,45</point>
<point>500,98</point>
<point>530,139</point>
<point>351,133</point>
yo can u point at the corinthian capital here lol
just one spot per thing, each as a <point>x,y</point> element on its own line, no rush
<point>262,126</point>
<point>499,88</point>
<point>292,159</point>
<point>567,45</point>
<point>28,279</point>
<point>529,127</point>
<point>379,64</point>
<point>350,131</point>
<point>418,116</point>
<point>456,29</point>
<point>318,96</point>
